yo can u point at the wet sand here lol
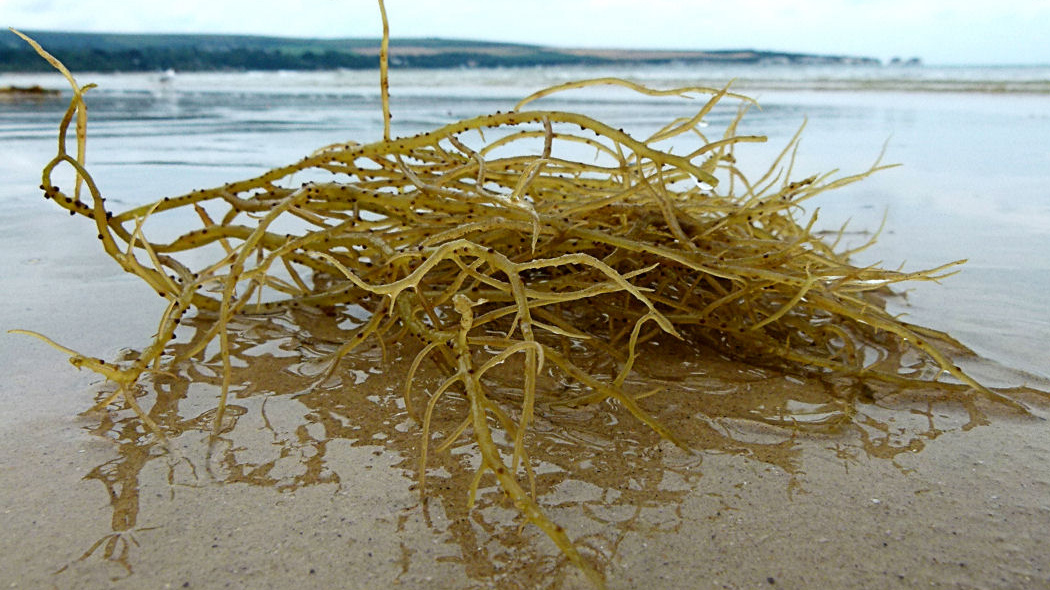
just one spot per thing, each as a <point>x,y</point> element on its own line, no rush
<point>908,499</point>
<point>971,513</point>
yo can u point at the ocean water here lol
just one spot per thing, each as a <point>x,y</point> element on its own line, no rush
<point>973,144</point>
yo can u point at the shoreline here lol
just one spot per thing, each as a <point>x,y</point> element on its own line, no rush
<point>836,81</point>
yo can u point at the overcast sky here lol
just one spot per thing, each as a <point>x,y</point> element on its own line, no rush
<point>938,31</point>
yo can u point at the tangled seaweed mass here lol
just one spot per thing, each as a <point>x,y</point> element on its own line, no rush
<point>531,253</point>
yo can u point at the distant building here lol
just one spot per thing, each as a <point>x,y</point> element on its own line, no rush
<point>911,61</point>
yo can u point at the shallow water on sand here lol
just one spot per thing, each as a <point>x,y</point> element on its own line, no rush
<point>315,490</point>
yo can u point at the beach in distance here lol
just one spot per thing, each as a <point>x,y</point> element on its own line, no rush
<point>315,489</point>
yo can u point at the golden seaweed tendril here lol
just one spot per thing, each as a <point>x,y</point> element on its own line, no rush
<point>538,237</point>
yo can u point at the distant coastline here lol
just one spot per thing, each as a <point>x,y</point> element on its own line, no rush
<point>106,52</point>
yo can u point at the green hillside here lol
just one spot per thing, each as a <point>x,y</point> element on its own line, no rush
<point>107,52</point>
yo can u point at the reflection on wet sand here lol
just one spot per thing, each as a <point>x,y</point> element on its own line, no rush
<point>294,412</point>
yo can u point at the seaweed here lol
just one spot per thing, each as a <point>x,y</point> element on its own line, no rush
<point>531,254</point>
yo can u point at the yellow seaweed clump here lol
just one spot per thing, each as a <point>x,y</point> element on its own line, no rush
<point>542,240</point>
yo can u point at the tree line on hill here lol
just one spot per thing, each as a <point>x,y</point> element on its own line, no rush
<point>100,52</point>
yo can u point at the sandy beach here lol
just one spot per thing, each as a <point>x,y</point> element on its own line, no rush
<point>318,489</point>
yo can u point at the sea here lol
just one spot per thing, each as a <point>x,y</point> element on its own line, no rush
<point>972,144</point>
